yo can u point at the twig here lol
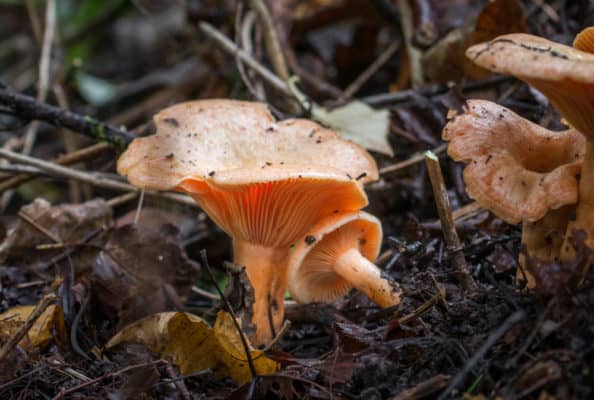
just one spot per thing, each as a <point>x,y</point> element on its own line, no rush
<point>63,392</point>
<point>45,302</point>
<point>205,293</point>
<point>6,385</point>
<point>512,320</point>
<point>44,70</point>
<point>281,333</point>
<point>29,108</point>
<point>431,90</point>
<point>243,34</point>
<point>139,207</point>
<point>27,218</point>
<point>67,159</point>
<point>35,23</point>
<point>466,211</point>
<point>70,139</point>
<point>19,169</point>
<point>273,46</point>
<point>423,389</point>
<point>422,309</point>
<point>356,85</point>
<point>244,342</point>
<point>232,48</point>
<point>448,226</point>
<point>408,31</point>
<point>93,179</point>
<point>43,78</point>
<point>119,200</point>
<point>412,160</point>
<point>66,172</point>
<point>178,382</point>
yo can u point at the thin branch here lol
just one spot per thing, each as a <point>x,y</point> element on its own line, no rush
<point>44,70</point>
<point>429,90</point>
<point>93,179</point>
<point>178,382</point>
<point>424,389</point>
<point>448,227</point>
<point>27,218</point>
<point>29,108</point>
<point>63,392</point>
<point>512,320</point>
<point>414,54</point>
<point>273,46</point>
<point>356,85</point>
<point>244,342</point>
<point>412,160</point>
<point>66,159</point>
<point>45,302</point>
<point>232,48</point>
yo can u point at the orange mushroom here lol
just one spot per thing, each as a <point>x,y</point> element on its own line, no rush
<point>264,183</point>
<point>520,171</point>
<point>337,255</point>
<point>566,76</point>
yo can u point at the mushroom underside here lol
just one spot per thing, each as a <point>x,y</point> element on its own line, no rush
<point>340,259</point>
<point>265,220</point>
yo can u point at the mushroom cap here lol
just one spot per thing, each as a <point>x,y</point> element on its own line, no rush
<point>240,141</point>
<point>517,169</point>
<point>259,180</point>
<point>311,273</point>
<point>563,73</point>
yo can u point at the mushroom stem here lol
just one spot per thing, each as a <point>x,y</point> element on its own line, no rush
<point>366,277</point>
<point>266,268</point>
<point>543,239</point>
<point>585,208</point>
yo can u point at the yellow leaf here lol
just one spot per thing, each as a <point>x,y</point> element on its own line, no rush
<point>233,353</point>
<point>193,345</point>
<point>49,326</point>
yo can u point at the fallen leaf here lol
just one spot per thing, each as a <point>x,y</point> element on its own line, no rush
<point>553,277</point>
<point>68,222</point>
<point>194,346</point>
<point>233,354</point>
<point>95,90</point>
<point>49,326</point>
<point>142,270</point>
<point>354,121</point>
<point>358,122</point>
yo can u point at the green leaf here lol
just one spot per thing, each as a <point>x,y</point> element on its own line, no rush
<point>94,90</point>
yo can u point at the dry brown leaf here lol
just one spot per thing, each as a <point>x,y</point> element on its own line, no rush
<point>48,327</point>
<point>194,346</point>
<point>446,59</point>
<point>68,222</point>
<point>141,270</point>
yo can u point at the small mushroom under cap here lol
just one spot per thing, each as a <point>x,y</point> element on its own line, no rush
<point>336,256</point>
<point>263,182</point>
<point>515,168</point>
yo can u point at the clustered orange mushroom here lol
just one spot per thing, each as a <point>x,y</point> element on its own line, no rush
<point>553,170</point>
<point>520,171</point>
<point>265,183</point>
